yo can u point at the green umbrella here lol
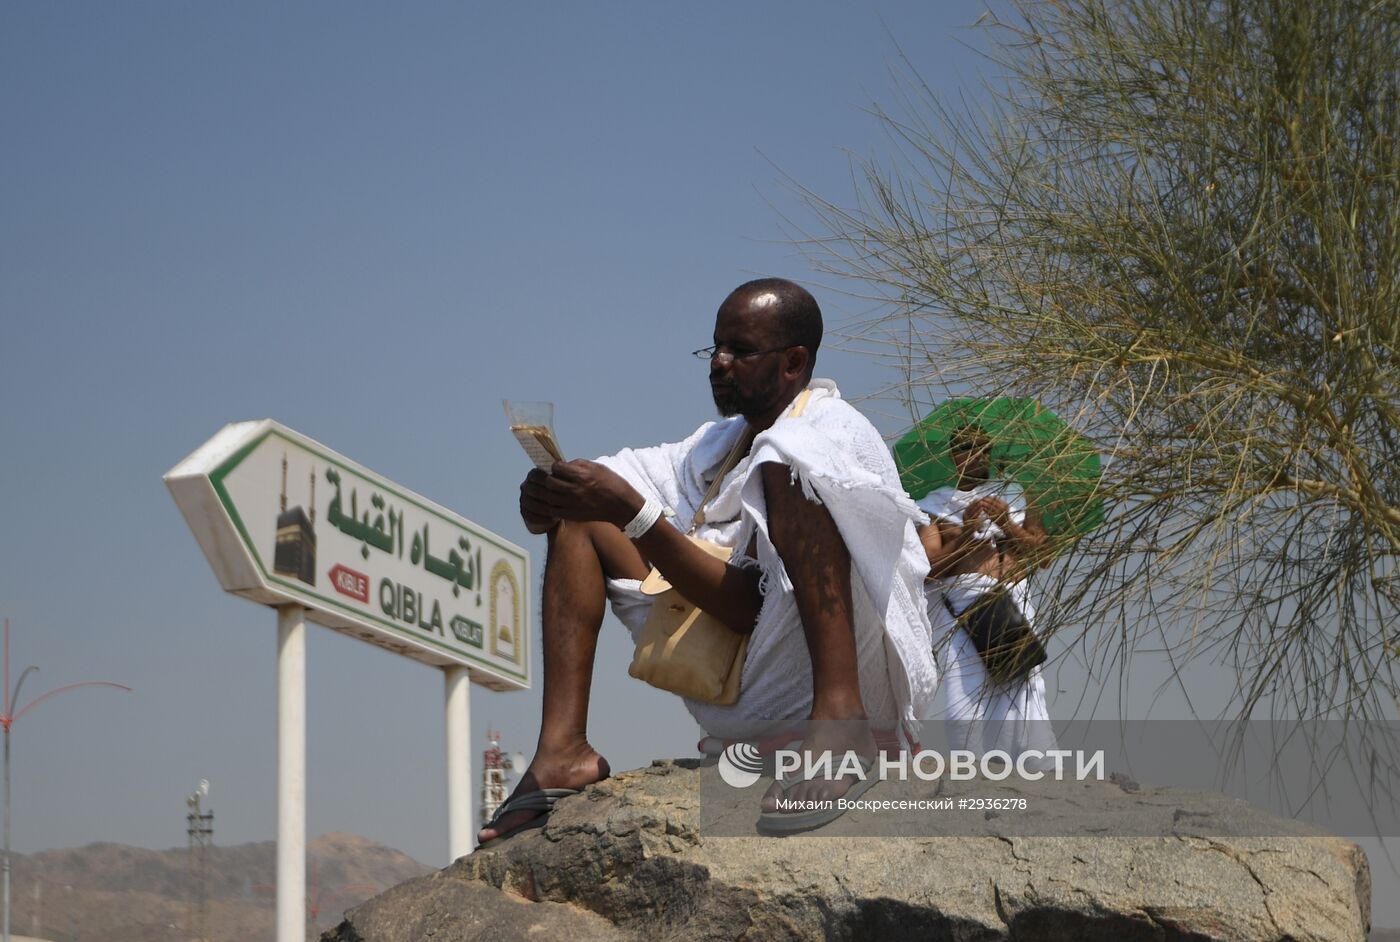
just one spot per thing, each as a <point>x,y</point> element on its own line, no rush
<point>1058,467</point>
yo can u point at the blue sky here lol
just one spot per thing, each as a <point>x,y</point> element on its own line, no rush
<point>371,223</point>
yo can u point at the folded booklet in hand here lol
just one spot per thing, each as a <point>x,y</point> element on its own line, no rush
<point>532,424</point>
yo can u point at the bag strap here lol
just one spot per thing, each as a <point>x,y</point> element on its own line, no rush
<point>741,447</point>
<point>799,405</point>
<point>948,605</point>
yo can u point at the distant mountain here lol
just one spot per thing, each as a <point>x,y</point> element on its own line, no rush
<point>129,894</point>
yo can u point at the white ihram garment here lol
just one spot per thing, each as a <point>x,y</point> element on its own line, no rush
<point>980,715</point>
<point>840,461</point>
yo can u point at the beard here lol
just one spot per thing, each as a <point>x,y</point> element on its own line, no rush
<point>730,401</point>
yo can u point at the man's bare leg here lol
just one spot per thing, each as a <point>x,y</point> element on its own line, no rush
<point>581,558</point>
<point>819,566</point>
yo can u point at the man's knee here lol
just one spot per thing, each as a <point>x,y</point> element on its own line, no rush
<point>595,543</point>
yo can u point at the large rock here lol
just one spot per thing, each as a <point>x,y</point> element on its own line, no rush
<point>626,860</point>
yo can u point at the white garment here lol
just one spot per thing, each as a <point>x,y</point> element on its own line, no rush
<point>980,715</point>
<point>948,503</point>
<point>840,461</point>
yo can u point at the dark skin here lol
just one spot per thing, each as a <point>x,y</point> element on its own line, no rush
<point>953,549</point>
<point>582,507</point>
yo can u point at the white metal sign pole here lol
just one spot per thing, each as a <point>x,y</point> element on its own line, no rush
<point>291,773</point>
<point>460,833</point>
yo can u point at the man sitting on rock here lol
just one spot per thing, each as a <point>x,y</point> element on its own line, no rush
<point>826,575</point>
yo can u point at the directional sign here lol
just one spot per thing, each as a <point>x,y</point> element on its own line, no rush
<point>283,519</point>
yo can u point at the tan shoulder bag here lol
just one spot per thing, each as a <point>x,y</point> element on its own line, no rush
<point>682,648</point>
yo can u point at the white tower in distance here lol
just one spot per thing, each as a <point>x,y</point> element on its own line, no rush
<point>200,827</point>
<point>494,766</point>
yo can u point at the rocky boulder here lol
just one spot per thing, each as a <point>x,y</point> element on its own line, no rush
<point>626,859</point>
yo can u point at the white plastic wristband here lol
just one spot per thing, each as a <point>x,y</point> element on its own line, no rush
<point>646,519</point>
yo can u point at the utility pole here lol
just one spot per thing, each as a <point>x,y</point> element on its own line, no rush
<point>8,717</point>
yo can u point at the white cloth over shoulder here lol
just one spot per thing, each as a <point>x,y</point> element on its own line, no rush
<point>840,461</point>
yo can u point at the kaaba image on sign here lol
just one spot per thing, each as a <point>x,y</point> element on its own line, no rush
<point>296,546</point>
<point>295,554</point>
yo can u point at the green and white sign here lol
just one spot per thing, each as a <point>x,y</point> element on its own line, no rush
<point>283,519</point>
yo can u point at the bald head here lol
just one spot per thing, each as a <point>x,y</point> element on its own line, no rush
<point>794,319</point>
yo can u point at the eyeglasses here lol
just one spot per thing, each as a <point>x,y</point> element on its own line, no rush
<point>718,351</point>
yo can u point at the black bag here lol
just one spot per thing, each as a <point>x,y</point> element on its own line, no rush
<point>1002,636</point>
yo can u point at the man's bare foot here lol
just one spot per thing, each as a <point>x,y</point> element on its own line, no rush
<point>571,767</point>
<point>837,737</point>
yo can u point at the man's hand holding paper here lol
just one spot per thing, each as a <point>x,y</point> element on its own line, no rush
<point>578,490</point>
